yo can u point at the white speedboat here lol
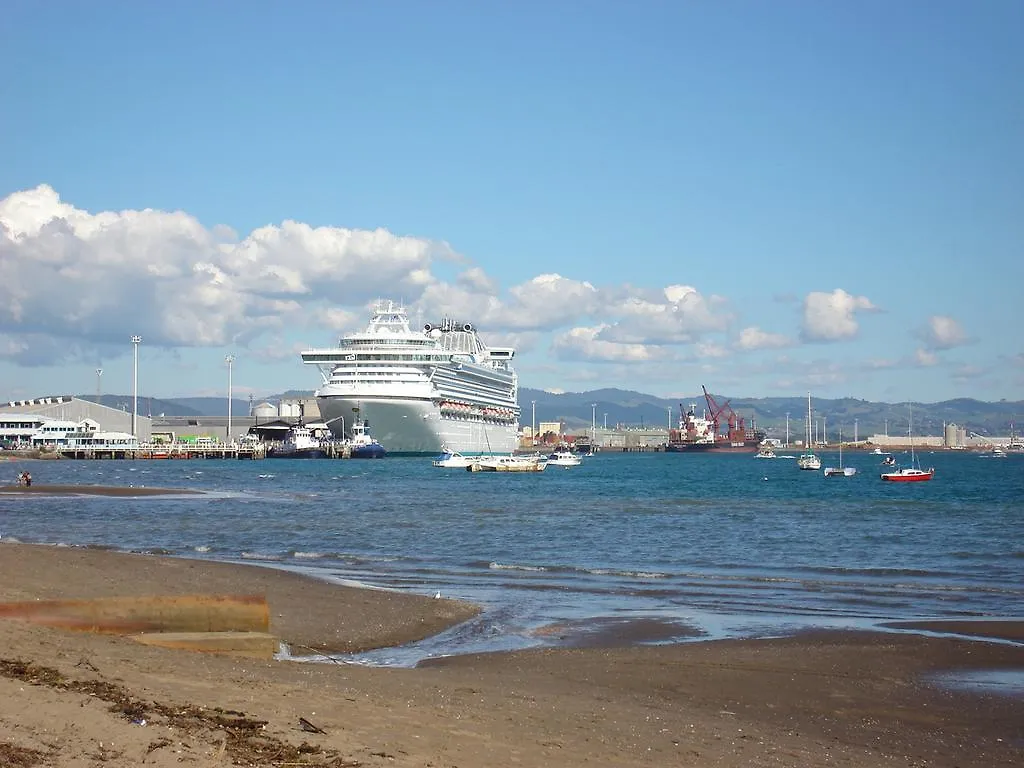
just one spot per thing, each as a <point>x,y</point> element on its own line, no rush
<point>765,452</point>
<point>564,458</point>
<point>449,459</point>
<point>422,389</point>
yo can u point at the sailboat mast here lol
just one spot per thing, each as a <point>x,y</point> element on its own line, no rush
<point>910,431</point>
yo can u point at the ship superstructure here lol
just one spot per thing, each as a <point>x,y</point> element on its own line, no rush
<point>420,389</point>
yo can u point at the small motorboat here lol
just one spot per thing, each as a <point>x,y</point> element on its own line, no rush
<point>450,459</point>
<point>563,457</point>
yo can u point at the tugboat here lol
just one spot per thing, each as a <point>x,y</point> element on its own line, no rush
<point>298,443</point>
<point>363,445</point>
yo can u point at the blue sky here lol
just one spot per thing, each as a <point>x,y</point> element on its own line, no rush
<point>766,198</point>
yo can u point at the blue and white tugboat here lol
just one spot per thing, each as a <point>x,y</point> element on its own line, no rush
<point>363,445</point>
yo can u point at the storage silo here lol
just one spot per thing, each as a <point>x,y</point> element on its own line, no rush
<point>265,411</point>
<point>950,435</point>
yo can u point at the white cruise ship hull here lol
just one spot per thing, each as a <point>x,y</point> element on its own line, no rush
<point>404,425</point>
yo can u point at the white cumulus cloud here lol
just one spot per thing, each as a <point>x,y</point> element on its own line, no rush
<point>586,344</point>
<point>678,314</point>
<point>943,332</point>
<point>832,316</point>
<point>754,338</point>
<point>69,273</point>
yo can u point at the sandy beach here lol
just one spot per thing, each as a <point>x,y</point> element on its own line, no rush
<point>830,698</point>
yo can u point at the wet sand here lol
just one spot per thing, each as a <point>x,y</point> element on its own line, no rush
<point>856,699</point>
<point>93,490</point>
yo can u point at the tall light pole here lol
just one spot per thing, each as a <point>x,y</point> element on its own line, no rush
<point>136,340</point>
<point>824,430</point>
<point>669,409</point>
<point>229,359</point>
<point>787,429</point>
<point>855,432</point>
<point>533,422</point>
<point>606,421</point>
<point>593,423</point>
<point>99,385</point>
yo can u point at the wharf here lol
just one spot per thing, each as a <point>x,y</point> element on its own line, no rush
<point>178,451</point>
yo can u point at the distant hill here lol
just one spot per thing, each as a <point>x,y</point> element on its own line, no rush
<point>630,408</point>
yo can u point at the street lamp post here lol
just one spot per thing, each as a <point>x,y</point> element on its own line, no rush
<point>787,429</point>
<point>136,340</point>
<point>229,359</point>
<point>669,409</point>
<point>533,422</point>
<point>606,421</point>
<point>593,423</point>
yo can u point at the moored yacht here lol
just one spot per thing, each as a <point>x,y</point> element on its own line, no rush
<point>808,459</point>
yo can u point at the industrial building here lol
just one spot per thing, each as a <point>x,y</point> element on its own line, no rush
<point>19,419</point>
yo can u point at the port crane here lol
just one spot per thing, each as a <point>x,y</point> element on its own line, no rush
<point>736,425</point>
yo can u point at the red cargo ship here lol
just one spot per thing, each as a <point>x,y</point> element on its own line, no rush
<point>701,433</point>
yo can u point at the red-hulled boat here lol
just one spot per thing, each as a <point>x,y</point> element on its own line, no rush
<point>908,475</point>
<point>913,473</point>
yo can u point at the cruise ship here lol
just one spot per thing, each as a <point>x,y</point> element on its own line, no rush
<point>419,391</point>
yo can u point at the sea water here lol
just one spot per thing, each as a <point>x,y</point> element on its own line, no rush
<point>636,548</point>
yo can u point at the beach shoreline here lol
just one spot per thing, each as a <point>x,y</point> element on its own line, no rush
<point>113,491</point>
<point>847,698</point>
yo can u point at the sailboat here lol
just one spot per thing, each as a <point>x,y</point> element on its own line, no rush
<point>913,473</point>
<point>808,460</point>
<point>840,471</point>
